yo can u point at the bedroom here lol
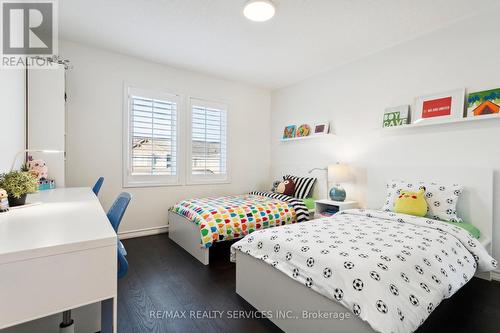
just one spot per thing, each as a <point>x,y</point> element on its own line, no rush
<point>340,63</point>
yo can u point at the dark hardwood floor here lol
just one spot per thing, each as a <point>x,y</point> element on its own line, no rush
<point>163,277</point>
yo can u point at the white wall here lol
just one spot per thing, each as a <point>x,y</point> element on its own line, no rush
<point>354,98</point>
<point>12,98</point>
<point>94,129</point>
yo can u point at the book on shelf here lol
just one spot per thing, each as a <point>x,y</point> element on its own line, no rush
<point>329,212</point>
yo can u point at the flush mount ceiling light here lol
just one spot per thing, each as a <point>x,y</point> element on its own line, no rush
<point>259,10</point>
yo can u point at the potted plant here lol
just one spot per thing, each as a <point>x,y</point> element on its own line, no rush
<point>18,184</point>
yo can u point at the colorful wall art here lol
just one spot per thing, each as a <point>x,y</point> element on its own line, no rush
<point>440,108</point>
<point>396,116</point>
<point>321,128</point>
<point>483,103</point>
<point>303,130</point>
<point>289,132</point>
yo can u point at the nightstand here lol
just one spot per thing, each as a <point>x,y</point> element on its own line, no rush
<point>324,205</point>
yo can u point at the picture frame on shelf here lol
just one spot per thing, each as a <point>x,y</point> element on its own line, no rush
<point>440,108</point>
<point>289,132</point>
<point>321,128</point>
<point>303,130</point>
<point>483,103</point>
<point>397,116</point>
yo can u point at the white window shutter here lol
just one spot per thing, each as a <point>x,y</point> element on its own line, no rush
<point>209,155</point>
<point>152,138</point>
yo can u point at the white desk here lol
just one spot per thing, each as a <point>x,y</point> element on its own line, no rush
<point>57,256</point>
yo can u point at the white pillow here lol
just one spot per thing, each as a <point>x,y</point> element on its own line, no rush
<point>441,199</point>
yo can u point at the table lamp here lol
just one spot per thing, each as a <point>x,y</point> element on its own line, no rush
<point>321,169</point>
<point>338,173</point>
<point>45,151</point>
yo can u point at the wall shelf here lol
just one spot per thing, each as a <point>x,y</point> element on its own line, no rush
<point>454,121</point>
<point>317,136</point>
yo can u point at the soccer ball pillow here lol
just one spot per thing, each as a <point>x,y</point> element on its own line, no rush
<point>441,199</point>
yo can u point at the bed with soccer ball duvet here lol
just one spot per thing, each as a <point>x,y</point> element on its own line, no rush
<point>391,270</point>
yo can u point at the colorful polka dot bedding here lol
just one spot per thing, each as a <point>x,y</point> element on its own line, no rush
<point>232,217</point>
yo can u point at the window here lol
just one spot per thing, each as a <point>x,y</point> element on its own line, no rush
<point>151,136</point>
<point>208,143</point>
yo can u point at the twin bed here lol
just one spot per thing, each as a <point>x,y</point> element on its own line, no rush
<point>366,270</point>
<point>196,224</point>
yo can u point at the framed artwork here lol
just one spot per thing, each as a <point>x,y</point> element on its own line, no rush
<point>396,116</point>
<point>483,103</point>
<point>321,128</point>
<point>303,130</point>
<point>289,132</point>
<point>439,108</point>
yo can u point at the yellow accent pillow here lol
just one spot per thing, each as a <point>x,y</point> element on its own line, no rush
<point>411,203</point>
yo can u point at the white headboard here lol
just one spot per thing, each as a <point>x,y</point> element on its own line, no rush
<point>474,206</point>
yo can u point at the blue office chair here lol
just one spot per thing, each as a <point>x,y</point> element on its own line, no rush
<point>117,210</point>
<point>115,215</point>
<point>122,261</point>
<point>97,186</point>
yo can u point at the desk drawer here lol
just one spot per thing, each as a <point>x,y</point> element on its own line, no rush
<point>43,286</point>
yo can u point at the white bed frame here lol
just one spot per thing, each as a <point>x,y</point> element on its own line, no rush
<point>187,235</point>
<point>280,292</point>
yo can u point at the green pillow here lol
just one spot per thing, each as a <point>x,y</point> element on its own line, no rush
<point>469,227</point>
<point>309,202</point>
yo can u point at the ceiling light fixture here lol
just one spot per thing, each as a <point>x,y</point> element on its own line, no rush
<point>259,10</point>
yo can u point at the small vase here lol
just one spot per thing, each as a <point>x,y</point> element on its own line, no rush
<point>13,202</point>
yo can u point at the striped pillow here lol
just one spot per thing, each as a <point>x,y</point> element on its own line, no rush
<point>303,185</point>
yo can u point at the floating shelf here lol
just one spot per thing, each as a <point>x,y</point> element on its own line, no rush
<point>453,121</point>
<point>317,136</point>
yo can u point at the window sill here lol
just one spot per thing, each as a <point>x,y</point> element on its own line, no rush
<point>145,185</point>
<point>208,182</point>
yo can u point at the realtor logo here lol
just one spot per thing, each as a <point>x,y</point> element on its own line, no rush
<point>28,29</point>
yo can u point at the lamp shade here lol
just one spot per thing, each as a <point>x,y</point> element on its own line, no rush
<point>339,173</point>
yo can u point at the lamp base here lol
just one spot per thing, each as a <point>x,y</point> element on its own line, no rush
<point>337,193</point>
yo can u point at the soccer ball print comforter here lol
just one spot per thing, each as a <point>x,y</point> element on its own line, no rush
<point>391,270</point>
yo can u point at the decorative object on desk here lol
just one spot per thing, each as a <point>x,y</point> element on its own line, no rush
<point>4,202</point>
<point>24,167</point>
<point>396,116</point>
<point>37,168</point>
<point>18,184</point>
<point>286,187</point>
<point>411,203</point>
<point>289,132</point>
<point>303,130</point>
<point>46,184</point>
<point>440,108</point>
<point>483,103</point>
<point>338,173</point>
<point>321,128</point>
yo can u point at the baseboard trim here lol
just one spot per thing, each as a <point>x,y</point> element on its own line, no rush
<point>142,232</point>
<point>495,275</point>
